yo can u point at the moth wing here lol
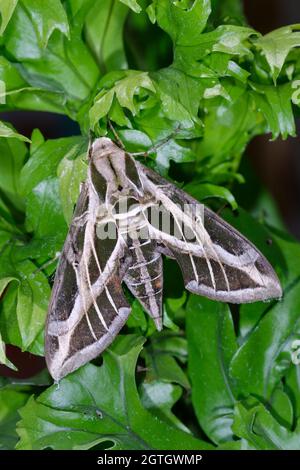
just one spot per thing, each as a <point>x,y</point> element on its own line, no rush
<point>88,307</point>
<point>215,259</point>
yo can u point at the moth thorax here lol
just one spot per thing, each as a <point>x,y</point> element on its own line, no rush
<point>103,147</point>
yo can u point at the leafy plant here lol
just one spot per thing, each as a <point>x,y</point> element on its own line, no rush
<point>205,83</point>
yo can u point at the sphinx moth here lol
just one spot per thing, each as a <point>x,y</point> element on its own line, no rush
<point>126,218</point>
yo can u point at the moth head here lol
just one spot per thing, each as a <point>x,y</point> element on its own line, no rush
<point>102,147</point>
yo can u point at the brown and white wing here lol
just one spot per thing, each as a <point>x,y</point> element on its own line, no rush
<point>88,307</point>
<point>215,259</point>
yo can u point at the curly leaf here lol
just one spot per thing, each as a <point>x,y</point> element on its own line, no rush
<point>124,90</point>
<point>99,405</point>
<point>262,431</point>
<point>276,46</point>
<point>276,105</point>
<point>180,20</point>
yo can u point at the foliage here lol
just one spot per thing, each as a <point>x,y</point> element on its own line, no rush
<point>216,377</point>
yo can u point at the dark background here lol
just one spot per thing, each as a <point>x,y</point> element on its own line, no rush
<point>275,164</point>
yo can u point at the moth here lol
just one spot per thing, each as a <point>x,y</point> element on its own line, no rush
<point>118,235</point>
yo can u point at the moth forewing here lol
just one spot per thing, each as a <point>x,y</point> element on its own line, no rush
<point>88,307</point>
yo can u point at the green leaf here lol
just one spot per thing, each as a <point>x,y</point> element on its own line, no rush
<point>33,297</point>
<point>276,46</point>
<point>135,141</point>
<point>45,221</point>
<point>241,444</point>
<point>293,388</point>
<point>282,408</point>
<point>137,318</point>
<point>160,360</point>
<point>24,304</point>
<point>159,397</point>
<point>46,199</point>
<point>174,312</point>
<point>37,139</point>
<point>104,34</point>
<point>180,21</point>
<point>71,173</point>
<point>261,429</point>
<point>227,11</point>
<point>202,191</point>
<point>3,359</point>
<point>124,90</point>
<point>179,94</point>
<point>99,405</point>
<point>44,160</point>
<point>228,126</point>
<point>9,133</point>
<point>12,155</point>
<point>101,106</point>
<point>44,212</point>
<point>25,294</point>
<point>276,106</point>
<point>230,41</point>
<point>18,94</point>
<point>211,344</point>
<point>172,151</point>
<point>10,401</point>
<point>7,7</point>
<point>133,4</point>
<point>65,68</point>
<point>47,16</point>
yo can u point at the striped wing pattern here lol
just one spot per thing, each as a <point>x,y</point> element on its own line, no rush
<point>219,262</point>
<point>88,306</point>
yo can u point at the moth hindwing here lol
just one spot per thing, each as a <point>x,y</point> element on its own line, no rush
<point>126,217</point>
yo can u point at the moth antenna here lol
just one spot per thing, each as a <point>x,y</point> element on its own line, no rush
<point>45,265</point>
<point>159,144</point>
<point>91,140</point>
<point>91,137</point>
<point>116,135</point>
<point>223,206</point>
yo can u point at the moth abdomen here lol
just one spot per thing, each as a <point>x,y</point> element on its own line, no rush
<point>144,277</point>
